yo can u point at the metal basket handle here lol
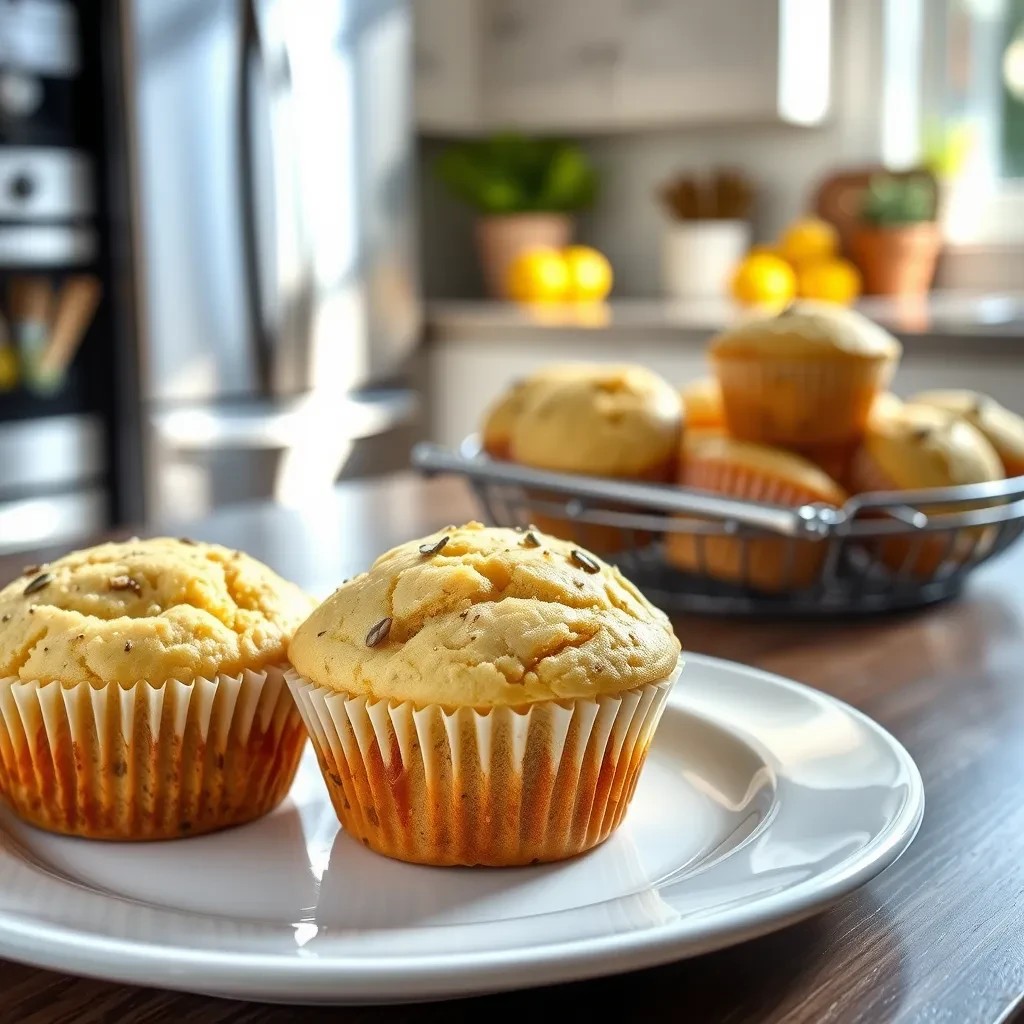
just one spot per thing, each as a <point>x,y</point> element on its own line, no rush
<point>809,520</point>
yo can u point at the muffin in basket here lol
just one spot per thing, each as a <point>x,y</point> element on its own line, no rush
<point>925,447</point>
<point>1003,429</point>
<point>739,469</point>
<point>622,422</point>
<point>501,416</point>
<point>483,697</point>
<point>702,404</point>
<point>142,690</point>
<point>806,377</point>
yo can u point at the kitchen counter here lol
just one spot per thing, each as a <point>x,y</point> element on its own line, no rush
<point>950,340</point>
<point>941,315</point>
<point>937,937</point>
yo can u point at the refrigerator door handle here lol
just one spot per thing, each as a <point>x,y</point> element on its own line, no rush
<point>251,60</point>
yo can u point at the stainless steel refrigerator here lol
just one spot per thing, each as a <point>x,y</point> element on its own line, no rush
<point>271,157</point>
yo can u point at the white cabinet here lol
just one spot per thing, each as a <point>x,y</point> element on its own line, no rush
<point>446,64</point>
<point>607,65</point>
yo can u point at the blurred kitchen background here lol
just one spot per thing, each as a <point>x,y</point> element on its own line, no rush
<point>250,247</point>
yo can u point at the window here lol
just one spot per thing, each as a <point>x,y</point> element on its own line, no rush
<point>1011,143</point>
<point>973,113</point>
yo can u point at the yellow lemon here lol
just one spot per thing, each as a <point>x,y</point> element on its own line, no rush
<point>763,279</point>
<point>809,240</point>
<point>590,273</point>
<point>832,280</point>
<point>538,275</point>
<point>8,368</point>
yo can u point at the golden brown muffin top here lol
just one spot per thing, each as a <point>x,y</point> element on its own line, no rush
<point>776,463</point>
<point>928,447</point>
<point>1003,429</point>
<point>501,416</point>
<point>480,617</point>
<point>807,330</point>
<point>618,421</point>
<point>146,609</point>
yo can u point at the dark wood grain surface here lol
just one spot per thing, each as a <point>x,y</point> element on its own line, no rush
<point>939,937</point>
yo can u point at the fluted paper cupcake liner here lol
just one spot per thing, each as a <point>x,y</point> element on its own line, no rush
<point>499,787</point>
<point>148,761</point>
<point>800,402</point>
<point>764,563</point>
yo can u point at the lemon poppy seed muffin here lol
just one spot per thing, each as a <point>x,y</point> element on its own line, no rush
<point>483,696</point>
<point>1003,429</point>
<point>141,690</point>
<point>807,376</point>
<point>919,448</point>
<point>616,421</point>
<point>754,472</point>
<point>504,412</point>
<point>619,421</point>
<point>702,404</point>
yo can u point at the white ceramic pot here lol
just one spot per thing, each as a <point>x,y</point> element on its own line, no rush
<point>699,257</point>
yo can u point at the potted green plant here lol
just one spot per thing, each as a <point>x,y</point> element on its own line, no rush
<point>897,240</point>
<point>524,191</point>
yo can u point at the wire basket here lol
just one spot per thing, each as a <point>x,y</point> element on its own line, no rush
<point>697,551</point>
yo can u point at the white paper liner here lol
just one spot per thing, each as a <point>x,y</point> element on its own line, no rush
<point>148,761</point>
<point>800,402</point>
<point>499,787</point>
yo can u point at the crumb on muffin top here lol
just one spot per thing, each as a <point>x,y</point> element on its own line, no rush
<point>154,609</point>
<point>482,617</point>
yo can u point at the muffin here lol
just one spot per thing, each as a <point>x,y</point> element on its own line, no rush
<point>622,422</point>
<point>483,697</point>
<point>1003,429</point>
<point>142,690</point>
<point>885,405</point>
<point>702,404</point>
<point>925,447</point>
<point>740,469</point>
<point>836,459</point>
<point>501,415</point>
<point>616,421</point>
<point>808,376</point>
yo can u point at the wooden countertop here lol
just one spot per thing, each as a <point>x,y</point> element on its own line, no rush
<point>938,937</point>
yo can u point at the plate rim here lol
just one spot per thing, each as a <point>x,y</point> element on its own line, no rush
<point>340,979</point>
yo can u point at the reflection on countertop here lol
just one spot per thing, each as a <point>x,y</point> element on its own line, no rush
<point>953,314</point>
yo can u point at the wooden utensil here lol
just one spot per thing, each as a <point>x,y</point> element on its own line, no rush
<point>725,194</point>
<point>75,309</point>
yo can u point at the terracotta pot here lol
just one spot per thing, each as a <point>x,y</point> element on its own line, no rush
<point>500,238</point>
<point>897,260</point>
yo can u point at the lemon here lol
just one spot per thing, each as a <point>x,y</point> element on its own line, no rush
<point>8,368</point>
<point>809,240</point>
<point>763,279</point>
<point>832,280</point>
<point>539,274</point>
<point>590,273</point>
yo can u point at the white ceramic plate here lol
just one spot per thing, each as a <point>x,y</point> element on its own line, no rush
<point>762,802</point>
